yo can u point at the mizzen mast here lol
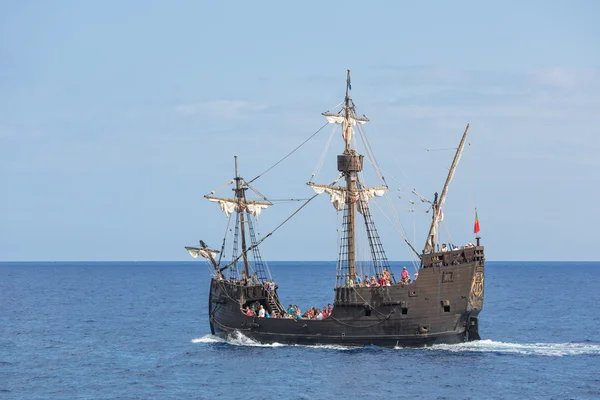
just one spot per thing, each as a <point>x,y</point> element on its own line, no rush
<point>432,237</point>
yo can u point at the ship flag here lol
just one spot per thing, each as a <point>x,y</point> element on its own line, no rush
<point>476,227</point>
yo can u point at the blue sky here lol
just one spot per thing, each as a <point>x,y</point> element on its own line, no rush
<point>117,117</point>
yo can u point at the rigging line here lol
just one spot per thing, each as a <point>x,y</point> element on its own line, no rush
<point>221,187</point>
<point>446,149</point>
<point>224,240</point>
<point>284,200</point>
<point>256,191</point>
<point>290,153</point>
<point>321,160</point>
<point>450,240</point>
<point>402,233</point>
<point>277,227</point>
<point>365,141</point>
<point>365,300</point>
<point>264,261</point>
<point>336,106</point>
<point>393,178</point>
<point>366,326</point>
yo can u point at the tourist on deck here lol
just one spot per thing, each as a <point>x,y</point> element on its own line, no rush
<point>404,275</point>
<point>261,312</point>
<point>271,287</point>
<point>444,248</point>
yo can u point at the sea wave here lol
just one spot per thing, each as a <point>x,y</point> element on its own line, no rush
<point>539,349</point>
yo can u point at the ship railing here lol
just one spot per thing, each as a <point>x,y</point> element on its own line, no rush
<point>452,257</point>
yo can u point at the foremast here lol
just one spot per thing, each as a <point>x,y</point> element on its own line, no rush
<point>244,210</point>
<point>437,205</point>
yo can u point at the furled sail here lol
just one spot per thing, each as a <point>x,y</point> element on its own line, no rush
<point>340,195</point>
<point>229,206</point>
<point>206,253</point>
<point>341,119</point>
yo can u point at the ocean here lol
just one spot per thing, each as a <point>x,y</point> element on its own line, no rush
<point>139,330</point>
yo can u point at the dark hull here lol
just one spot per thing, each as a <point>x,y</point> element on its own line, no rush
<point>441,306</point>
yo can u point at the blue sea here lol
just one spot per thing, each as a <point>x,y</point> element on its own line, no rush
<point>129,330</point>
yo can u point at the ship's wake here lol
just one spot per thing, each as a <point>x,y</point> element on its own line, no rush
<point>239,339</point>
<point>480,346</point>
<point>538,349</point>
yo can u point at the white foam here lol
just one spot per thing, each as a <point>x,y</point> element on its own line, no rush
<point>239,339</point>
<point>208,339</point>
<point>540,349</point>
<point>480,346</point>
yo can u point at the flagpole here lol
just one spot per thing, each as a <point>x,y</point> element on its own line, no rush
<point>476,228</point>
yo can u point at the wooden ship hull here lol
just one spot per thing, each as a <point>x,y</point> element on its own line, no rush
<point>441,306</point>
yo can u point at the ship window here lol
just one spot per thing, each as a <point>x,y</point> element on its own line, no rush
<point>446,305</point>
<point>404,310</point>
<point>368,312</point>
<point>447,277</point>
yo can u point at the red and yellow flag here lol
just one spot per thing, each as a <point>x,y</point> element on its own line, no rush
<point>476,227</point>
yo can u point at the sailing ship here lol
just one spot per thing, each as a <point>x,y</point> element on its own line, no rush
<point>441,306</point>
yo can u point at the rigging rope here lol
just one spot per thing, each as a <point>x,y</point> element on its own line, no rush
<point>276,228</point>
<point>321,160</point>
<point>256,191</point>
<point>289,154</point>
<point>221,187</point>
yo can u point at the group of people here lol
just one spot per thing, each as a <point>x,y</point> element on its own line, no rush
<point>384,279</point>
<point>270,286</point>
<point>293,312</point>
<point>311,313</point>
<point>452,247</point>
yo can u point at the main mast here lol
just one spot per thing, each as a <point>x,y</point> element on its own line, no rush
<point>239,195</point>
<point>352,197</point>
<point>349,163</point>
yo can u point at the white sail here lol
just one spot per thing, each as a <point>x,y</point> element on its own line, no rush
<point>206,253</point>
<point>255,209</point>
<point>229,206</point>
<point>339,119</point>
<point>340,195</point>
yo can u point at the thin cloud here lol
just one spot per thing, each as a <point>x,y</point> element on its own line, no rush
<point>220,108</point>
